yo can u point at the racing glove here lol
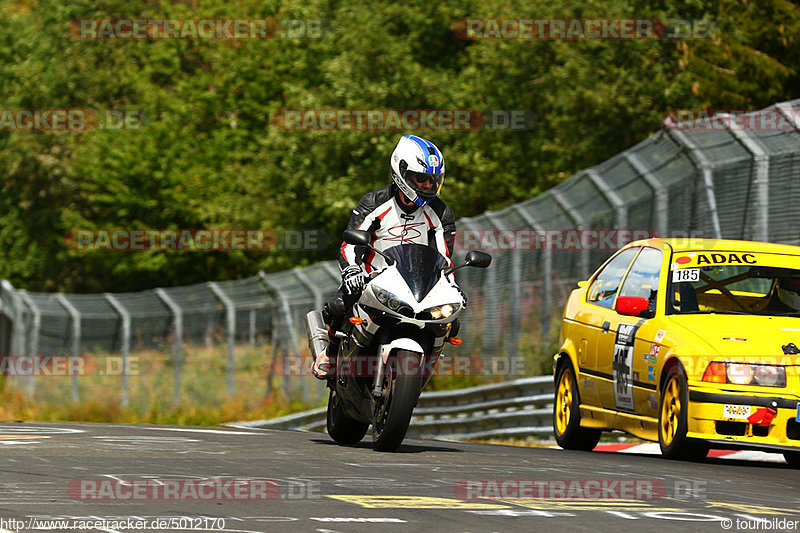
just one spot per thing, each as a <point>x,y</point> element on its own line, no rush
<point>354,279</point>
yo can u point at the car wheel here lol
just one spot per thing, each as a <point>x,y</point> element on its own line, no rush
<point>793,458</point>
<point>566,413</point>
<point>672,420</point>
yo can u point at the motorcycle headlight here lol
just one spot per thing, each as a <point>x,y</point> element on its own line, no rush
<point>387,298</point>
<point>443,311</point>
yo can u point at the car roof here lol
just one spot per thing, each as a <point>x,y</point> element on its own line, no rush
<point>690,244</point>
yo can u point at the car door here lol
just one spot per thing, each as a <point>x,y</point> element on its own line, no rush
<point>636,351</point>
<point>598,322</point>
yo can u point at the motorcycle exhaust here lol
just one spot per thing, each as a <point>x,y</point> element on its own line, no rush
<point>317,333</point>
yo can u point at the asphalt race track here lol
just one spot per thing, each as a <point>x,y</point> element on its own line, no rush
<point>101,477</point>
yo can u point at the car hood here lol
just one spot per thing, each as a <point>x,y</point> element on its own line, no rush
<point>738,335</point>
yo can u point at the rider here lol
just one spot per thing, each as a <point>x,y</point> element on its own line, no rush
<point>406,211</point>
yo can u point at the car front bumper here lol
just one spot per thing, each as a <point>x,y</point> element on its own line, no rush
<point>707,420</point>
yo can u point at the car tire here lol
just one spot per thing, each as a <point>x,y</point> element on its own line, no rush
<point>566,413</point>
<point>793,458</point>
<point>672,420</point>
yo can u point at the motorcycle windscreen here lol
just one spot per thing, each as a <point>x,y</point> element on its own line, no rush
<point>419,265</point>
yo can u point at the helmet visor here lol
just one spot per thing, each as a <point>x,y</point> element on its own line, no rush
<point>427,186</point>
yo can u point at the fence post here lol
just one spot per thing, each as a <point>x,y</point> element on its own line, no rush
<point>33,339</point>
<point>790,113</point>
<point>546,276</point>
<point>306,281</point>
<point>659,192</point>
<point>231,326</point>
<point>126,344</point>
<point>17,330</point>
<point>613,198</point>
<point>490,289</point>
<point>292,339</point>
<point>580,223</point>
<point>761,160</point>
<point>75,316</point>
<point>702,163</point>
<point>177,327</point>
<point>252,335</point>
<point>516,277</point>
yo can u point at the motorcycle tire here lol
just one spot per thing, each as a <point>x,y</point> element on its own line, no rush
<point>393,413</point>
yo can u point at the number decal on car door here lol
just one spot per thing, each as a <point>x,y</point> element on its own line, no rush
<point>623,359</point>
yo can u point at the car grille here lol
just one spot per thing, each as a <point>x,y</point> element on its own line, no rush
<point>735,429</point>
<point>739,429</point>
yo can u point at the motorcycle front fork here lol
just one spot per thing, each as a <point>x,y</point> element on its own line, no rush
<point>377,382</point>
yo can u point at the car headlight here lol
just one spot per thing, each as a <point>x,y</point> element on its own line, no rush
<point>739,373</point>
<point>387,298</point>
<point>443,311</point>
<point>745,374</point>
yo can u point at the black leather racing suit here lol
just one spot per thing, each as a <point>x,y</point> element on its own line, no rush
<point>391,223</point>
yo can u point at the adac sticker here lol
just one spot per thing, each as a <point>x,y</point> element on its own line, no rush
<point>716,258</point>
<point>660,335</point>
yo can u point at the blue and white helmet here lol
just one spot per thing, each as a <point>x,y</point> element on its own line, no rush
<point>414,161</point>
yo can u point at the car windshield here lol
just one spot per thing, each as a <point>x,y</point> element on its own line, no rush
<point>419,265</point>
<point>758,289</point>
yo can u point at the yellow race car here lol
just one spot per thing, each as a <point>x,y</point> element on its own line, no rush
<point>694,343</point>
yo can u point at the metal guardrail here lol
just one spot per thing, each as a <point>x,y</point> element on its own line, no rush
<point>519,408</point>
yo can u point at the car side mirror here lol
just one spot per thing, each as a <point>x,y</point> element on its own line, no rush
<point>633,306</point>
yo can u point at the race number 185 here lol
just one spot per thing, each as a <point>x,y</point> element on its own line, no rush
<point>687,274</point>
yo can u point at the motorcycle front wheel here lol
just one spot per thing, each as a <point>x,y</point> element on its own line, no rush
<point>402,386</point>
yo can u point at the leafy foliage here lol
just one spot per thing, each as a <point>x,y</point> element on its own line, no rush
<point>209,157</point>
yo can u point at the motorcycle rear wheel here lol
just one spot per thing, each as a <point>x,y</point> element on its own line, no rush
<point>342,428</point>
<point>393,412</point>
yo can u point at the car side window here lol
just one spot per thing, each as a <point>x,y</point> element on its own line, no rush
<point>605,285</point>
<point>643,277</point>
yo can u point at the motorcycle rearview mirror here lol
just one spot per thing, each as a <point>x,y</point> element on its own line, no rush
<point>358,237</point>
<point>478,259</point>
<point>473,259</point>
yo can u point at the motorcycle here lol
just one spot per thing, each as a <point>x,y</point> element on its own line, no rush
<point>392,342</point>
